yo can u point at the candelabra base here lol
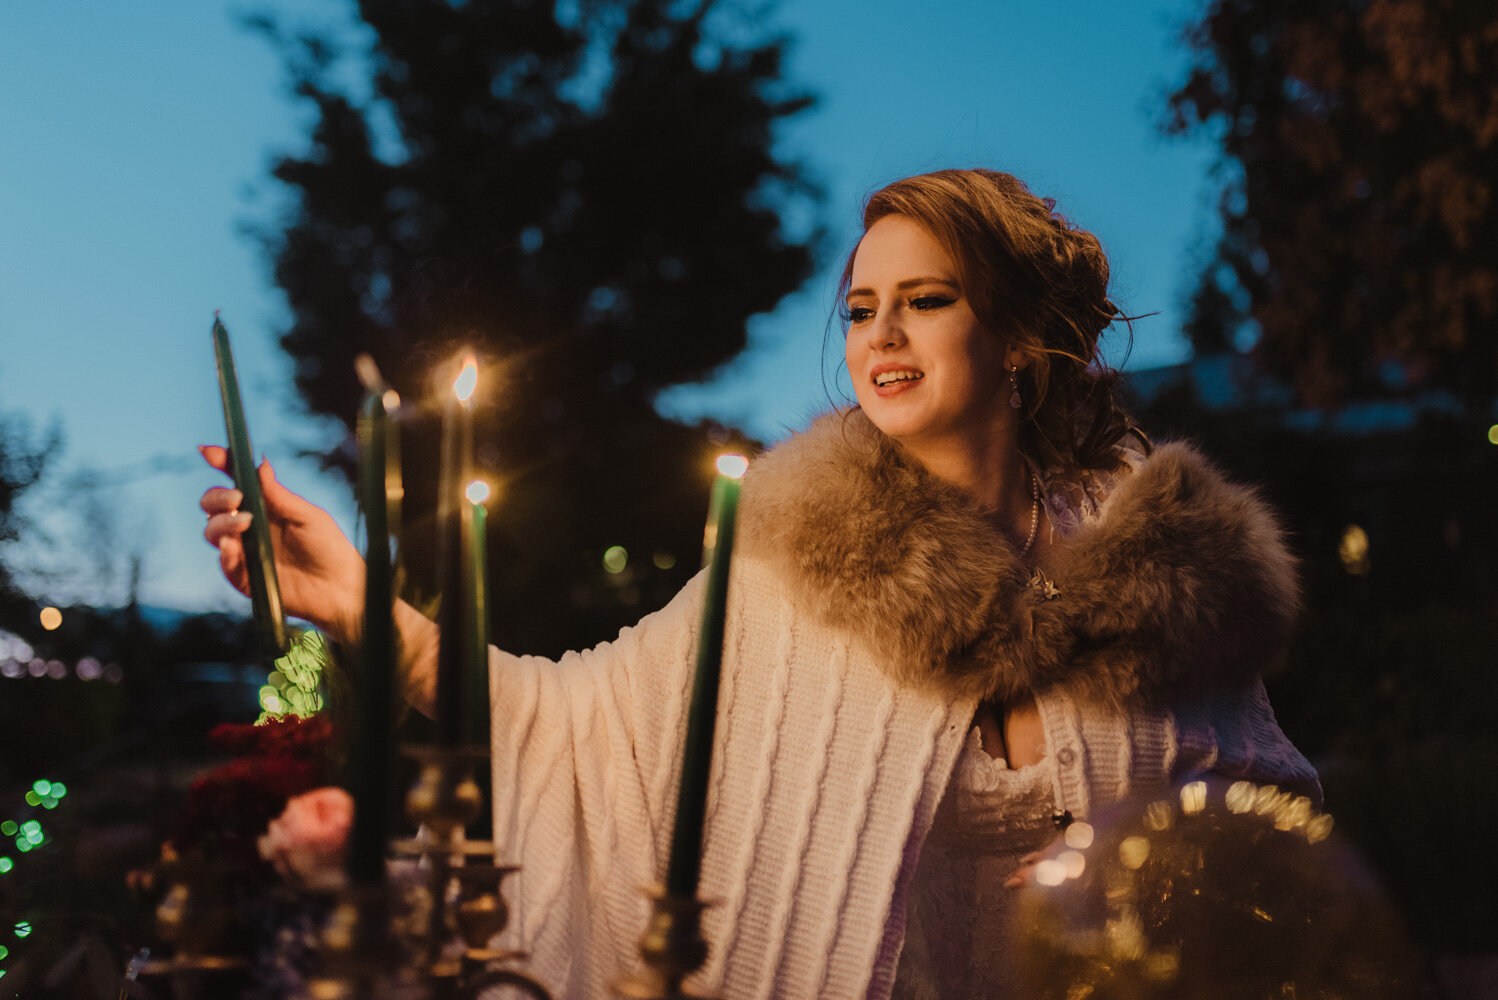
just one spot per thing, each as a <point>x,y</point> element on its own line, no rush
<point>673,948</point>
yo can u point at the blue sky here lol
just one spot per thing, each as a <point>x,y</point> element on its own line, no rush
<point>134,139</point>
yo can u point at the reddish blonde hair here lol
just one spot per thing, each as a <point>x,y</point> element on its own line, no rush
<point>1035,280</point>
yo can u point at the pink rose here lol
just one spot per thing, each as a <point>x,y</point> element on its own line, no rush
<point>307,842</point>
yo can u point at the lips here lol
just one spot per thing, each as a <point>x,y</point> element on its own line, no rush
<point>892,379</point>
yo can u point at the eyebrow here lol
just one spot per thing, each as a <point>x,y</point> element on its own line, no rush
<point>907,283</point>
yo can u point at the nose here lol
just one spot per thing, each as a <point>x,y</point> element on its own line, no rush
<point>886,333</point>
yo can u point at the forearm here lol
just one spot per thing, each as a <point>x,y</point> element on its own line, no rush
<point>418,638</point>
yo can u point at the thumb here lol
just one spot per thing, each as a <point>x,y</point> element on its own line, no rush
<point>284,502</point>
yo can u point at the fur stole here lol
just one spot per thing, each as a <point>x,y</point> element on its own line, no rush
<point>1184,582</point>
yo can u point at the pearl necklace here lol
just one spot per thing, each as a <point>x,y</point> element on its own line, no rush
<point>1034,515</point>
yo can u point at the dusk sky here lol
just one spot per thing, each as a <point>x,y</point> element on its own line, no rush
<point>135,140</point>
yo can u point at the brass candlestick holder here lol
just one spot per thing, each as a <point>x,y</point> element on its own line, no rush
<point>673,948</point>
<point>377,945</point>
<point>194,918</point>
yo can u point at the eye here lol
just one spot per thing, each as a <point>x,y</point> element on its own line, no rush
<point>925,303</point>
<point>857,314</point>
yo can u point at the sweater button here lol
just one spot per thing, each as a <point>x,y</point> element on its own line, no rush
<point>1065,756</point>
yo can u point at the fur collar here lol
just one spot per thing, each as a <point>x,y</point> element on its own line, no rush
<point>1183,582</point>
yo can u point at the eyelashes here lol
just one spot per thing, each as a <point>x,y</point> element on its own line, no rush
<point>849,315</point>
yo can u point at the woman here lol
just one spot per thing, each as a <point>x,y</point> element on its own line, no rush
<point>962,613</point>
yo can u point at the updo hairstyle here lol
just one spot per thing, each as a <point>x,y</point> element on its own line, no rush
<point>1035,280</point>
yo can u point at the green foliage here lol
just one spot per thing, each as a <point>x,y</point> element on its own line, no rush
<point>588,198</point>
<point>294,687</point>
<point>1360,145</point>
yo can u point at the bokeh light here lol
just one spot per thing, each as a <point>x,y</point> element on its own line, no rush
<point>615,558</point>
<point>1079,836</point>
<point>51,618</point>
<point>477,492</point>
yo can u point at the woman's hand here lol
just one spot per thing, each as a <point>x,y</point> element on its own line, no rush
<point>320,572</point>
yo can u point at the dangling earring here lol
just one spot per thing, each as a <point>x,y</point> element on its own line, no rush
<point>1014,401</point>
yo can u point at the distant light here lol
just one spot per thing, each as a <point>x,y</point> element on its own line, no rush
<point>1050,872</point>
<point>56,669</point>
<point>22,929</point>
<point>1493,434</point>
<point>1074,863</point>
<point>663,560</point>
<point>51,618</point>
<point>6,864</point>
<point>33,799</point>
<point>114,673</point>
<point>1353,550</point>
<point>467,381</point>
<point>615,558</point>
<point>59,789</point>
<point>477,492</point>
<point>733,466</point>
<point>391,400</point>
<point>42,787</point>
<point>8,828</point>
<point>88,669</point>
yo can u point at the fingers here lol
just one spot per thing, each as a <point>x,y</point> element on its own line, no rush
<point>1026,870</point>
<point>215,456</point>
<point>225,526</point>
<point>221,500</point>
<point>231,560</point>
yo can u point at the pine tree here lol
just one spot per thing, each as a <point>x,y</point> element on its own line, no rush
<point>1360,140</point>
<point>588,198</point>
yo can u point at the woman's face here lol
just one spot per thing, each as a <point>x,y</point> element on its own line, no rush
<point>926,371</point>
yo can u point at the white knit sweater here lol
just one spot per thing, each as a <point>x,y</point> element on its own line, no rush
<point>870,606</point>
<point>826,775</point>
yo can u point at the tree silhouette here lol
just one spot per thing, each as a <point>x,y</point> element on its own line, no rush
<point>1360,143</point>
<point>588,198</point>
<point>22,463</point>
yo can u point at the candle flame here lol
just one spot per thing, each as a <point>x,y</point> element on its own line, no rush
<point>468,380</point>
<point>733,466</point>
<point>477,492</point>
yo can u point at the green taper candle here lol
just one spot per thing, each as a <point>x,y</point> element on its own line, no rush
<point>371,764</point>
<point>265,593</point>
<point>476,670</point>
<point>454,639</point>
<point>696,758</point>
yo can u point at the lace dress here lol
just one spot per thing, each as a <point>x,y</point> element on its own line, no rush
<point>959,912</point>
<point>957,924</point>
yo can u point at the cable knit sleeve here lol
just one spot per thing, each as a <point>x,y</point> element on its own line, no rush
<point>583,756</point>
<point>1104,754</point>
